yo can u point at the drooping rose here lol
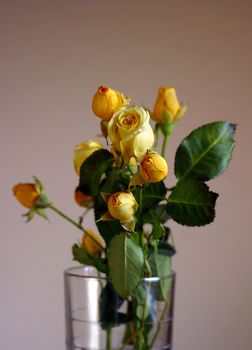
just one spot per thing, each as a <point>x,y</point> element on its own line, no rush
<point>33,197</point>
<point>107,101</point>
<point>83,151</point>
<point>130,132</point>
<point>26,193</point>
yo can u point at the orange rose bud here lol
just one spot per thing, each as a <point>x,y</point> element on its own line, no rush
<point>90,246</point>
<point>26,194</point>
<point>82,199</point>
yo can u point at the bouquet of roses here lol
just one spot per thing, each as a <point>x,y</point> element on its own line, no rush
<point>124,184</point>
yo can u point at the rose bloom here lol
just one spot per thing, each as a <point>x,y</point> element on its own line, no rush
<point>167,108</point>
<point>153,167</point>
<point>83,151</point>
<point>107,101</point>
<point>89,244</point>
<point>122,205</point>
<point>130,132</point>
<point>26,194</point>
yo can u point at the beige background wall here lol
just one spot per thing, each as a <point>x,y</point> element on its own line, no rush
<point>54,54</point>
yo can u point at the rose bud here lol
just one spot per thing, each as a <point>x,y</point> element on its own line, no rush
<point>130,132</point>
<point>33,197</point>
<point>153,168</point>
<point>82,199</point>
<point>90,246</point>
<point>107,101</point>
<point>167,108</point>
<point>26,193</point>
<point>121,206</point>
<point>83,151</point>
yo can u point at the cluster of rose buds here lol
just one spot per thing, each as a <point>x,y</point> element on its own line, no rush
<point>131,136</point>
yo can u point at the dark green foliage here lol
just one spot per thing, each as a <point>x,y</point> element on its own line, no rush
<point>191,203</point>
<point>80,255</point>
<point>126,264</point>
<point>206,152</point>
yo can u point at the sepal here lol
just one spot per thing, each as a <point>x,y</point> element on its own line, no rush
<point>129,225</point>
<point>106,217</point>
<point>29,215</point>
<point>167,128</point>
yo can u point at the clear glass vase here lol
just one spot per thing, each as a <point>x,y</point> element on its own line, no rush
<point>97,318</point>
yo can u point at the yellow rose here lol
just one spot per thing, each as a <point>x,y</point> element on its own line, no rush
<point>89,244</point>
<point>83,151</point>
<point>153,168</point>
<point>27,194</point>
<point>107,101</point>
<point>82,199</point>
<point>122,205</point>
<point>130,132</point>
<point>167,108</point>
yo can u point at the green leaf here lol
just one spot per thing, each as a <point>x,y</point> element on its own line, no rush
<point>109,229</point>
<point>165,247</point>
<point>80,255</point>
<point>160,211</point>
<point>158,230</point>
<point>191,203</point>
<point>92,169</point>
<point>206,152</point>
<point>152,194</point>
<point>126,264</point>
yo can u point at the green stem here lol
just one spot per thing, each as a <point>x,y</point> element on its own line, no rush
<point>157,134</point>
<point>160,323</point>
<point>76,224</point>
<point>63,215</point>
<point>83,215</point>
<point>109,339</point>
<point>140,209</point>
<point>139,342</point>
<point>148,271</point>
<point>164,145</point>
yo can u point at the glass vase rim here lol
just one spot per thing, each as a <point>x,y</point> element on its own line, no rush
<point>101,276</point>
